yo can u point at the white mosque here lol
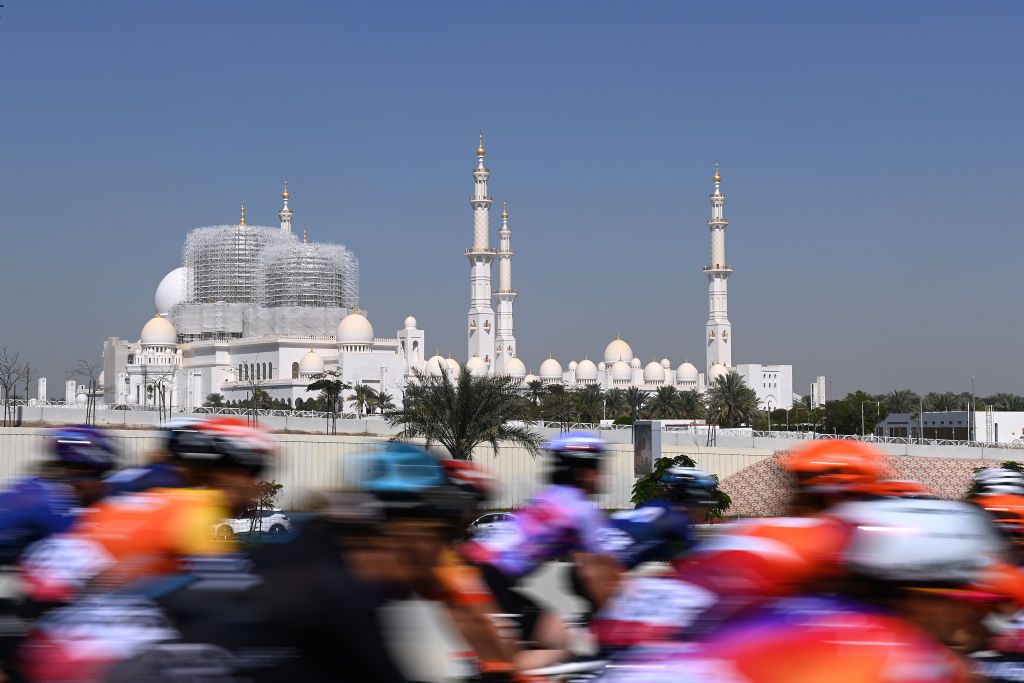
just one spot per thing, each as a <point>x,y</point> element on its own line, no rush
<point>254,306</point>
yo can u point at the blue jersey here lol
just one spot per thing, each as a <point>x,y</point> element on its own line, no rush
<point>157,475</point>
<point>32,510</point>
<point>654,531</point>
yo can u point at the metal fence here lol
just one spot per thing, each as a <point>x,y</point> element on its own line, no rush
<point>892,440</point>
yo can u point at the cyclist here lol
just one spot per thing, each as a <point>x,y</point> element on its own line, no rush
<point>127,537</point>
<point>560,520</point>
<point>36,507</point>
<point>997,481</point>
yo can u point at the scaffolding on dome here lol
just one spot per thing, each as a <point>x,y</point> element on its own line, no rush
<point>221,262</point>
<point>307,275</point>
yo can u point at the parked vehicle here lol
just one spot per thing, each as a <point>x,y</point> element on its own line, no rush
<point>269,521</point>
<point>490,522</point>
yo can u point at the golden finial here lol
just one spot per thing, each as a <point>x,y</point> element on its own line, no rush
<point>241,221</point>
<point>504,210</point>
<point>718,176</point>
<point>480,151</point>
<point>285,195</point>
<point>305,235</point>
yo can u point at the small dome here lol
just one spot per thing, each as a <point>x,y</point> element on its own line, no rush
<point>354,329</point>
<point>573,364</point>
<point>410,322</point>
<point>530,378</point>
<point>586,371</point>
<point>311,363</point>
<point>158,332</point>
<point>453,366</point>
<point>171,291</point>
<point>654,373</point>
<point>476,366</point>
<point>515,368</point>
<point>717,370</point>
<point>551,369</point>
<point>81,398</point>
<point>617,350</point>
<point>666,363</point>
<point>601,366</point>
<point>635,363</point>
<point>687,372</point>
<point>621,371</point>
<point>435,365</point>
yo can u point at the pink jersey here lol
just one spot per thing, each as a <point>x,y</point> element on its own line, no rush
<point>559,520</point>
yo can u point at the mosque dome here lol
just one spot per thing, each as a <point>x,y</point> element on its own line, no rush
<point>311,363</point>
<point>572,364</point>
<point>436,365</point>
<point>654,373</point>
<point>81,398</point>
<point>621,371</point>
<point>586,370</point>
<point>171,291</point>
<point>717,370</point>
<point>476,366</point>
<point>666,363</point>
<point>617,350</point>
<point>515,368</point>
<point>410,322</point>
<point>635,363</point>
<point>687,372</point>
<point>551,369</point>
<point>158,332</point>
<point>354,328</point>
<point>601,366</point>
<point>453,366</point>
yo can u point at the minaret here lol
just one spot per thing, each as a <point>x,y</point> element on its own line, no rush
<point>241,220</point>
<point>480,255</point>
<point>719,329</point>
<point>505,339</point>
<point>285,214</point>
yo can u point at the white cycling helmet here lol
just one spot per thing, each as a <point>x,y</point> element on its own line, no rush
<point>918,541</point>
<point>998,480</point>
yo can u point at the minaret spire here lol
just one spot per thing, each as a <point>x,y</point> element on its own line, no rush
<point>305,234</point>
<point>505,339</point>
<point>719,329</point>
<point>481,314</point>
<point>241,221</point>
<point>285,214</point>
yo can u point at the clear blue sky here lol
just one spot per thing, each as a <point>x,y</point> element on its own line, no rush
<point>871,154</point>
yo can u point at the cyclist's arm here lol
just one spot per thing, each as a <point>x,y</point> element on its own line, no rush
<point>469,605</point>
<point>596,559</point>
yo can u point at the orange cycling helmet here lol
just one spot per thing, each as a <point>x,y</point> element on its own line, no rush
<point>898,488</point>
<point>470,477</point>
<point>835,466</point>
<point>1007,512</point>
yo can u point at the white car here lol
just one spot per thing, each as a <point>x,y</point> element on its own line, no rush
<point>491,522</point>
<point>270,521</point>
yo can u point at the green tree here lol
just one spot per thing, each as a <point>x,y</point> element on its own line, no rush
<point>692,405</point>
<point>589,403</point>
<point>536,391</point>
<point>384,402</point>
<point>616,405</point>
<point>902,401</point>
<point>464,413</point>
<point>361,398</point>
<point>649,487</point>
<point>666,403</point>
<point>635,399</point>
<point>1004,401</point>
<point>330,386</point>
<point>557,404</point>
<point>731,402</point>
<point>264,500</point>
<point>214,400</point>
<point>943,401</point>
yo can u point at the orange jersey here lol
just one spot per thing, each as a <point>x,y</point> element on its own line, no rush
<point>457,582</point>
<point>126,538</point>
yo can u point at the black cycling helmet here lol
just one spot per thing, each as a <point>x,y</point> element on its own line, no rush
<point>219,443</point>
<point>690,486</point>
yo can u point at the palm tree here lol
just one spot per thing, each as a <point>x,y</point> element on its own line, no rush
<point>330,386</point>
<point>214,400</point>
<point>635,399</point>
<point>666,404</point>
<point>464,413</point>
<point>384,402</point>
<point>730,401</point>
<point>361,398</point>
<point>615,403</point>
<point>558,403</point>
<point>692,405</point>
<point>589,403</point>
<point>536,391</point>
<point>1004,401</point>
<point>902,401</point>
<point>942,402</point>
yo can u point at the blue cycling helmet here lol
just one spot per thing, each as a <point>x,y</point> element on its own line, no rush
<point>573,450</point>
<point>690,486</point>
<point>410,482</point>
<point>83,447</point>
